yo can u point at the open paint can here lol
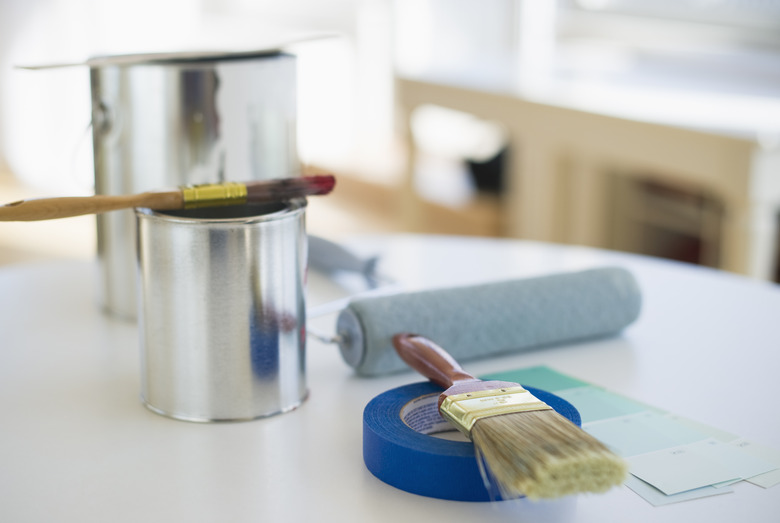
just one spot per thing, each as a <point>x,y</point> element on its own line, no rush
<point>222,317</point>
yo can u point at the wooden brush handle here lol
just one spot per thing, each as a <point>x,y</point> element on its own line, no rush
<point>49,208</point>
<point>430,360</point>
<point>227,193</point>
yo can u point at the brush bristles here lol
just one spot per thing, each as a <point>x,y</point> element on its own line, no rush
<point>541,454</point>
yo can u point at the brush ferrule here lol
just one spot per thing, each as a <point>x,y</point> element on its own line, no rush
<point>464,410</point>
<point>212,194</point>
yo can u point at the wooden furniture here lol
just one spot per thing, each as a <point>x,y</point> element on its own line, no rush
<point>572,149</point>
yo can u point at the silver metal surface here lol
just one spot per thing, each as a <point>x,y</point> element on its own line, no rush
<point>222,316</point>
<point>171,123</point>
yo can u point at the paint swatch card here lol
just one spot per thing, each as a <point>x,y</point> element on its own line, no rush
<point>541,377</point>
<point>693,468</point>
<point>671,458</point>
<point>657,498</point>
<point>697,465</point>
<point>643,432</point>
<point>767,454</point>
<point>597,404</point>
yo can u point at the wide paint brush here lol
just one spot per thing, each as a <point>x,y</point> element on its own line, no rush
<point>523,446</point>
<point>206,195</point>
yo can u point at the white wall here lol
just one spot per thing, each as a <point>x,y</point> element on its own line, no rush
<point>45,114</point>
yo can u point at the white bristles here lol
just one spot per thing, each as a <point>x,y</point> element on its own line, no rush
<point>541,454</point>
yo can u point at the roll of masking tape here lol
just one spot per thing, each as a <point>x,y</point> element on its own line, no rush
<point>399,448</point>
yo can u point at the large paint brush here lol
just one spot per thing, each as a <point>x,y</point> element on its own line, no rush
<point>206,195</point>
<point>523,447</point>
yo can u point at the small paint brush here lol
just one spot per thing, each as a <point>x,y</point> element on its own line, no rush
<point>522,445</point>
<point>188,197</point>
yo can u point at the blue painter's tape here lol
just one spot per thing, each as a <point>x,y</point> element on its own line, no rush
<point>417,462</point>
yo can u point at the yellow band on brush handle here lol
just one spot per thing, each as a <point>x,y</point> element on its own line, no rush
<point>208,195</point>
<point>463,410</point>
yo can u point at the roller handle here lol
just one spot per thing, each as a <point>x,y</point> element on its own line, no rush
<point>430,360</point>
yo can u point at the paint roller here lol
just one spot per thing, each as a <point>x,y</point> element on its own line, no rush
<point>477,321</point>
<point>489,319</point>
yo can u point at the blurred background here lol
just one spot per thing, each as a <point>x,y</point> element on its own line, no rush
<point>648,126</point>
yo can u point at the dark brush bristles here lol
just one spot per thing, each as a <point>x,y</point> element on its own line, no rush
<point>541,454</point>
<point>282,189</point>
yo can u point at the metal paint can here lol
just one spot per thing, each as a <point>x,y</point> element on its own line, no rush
<point>160,123</point>
<point>222,317</point>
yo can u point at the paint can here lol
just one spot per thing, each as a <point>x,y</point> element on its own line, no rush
<point>222,311</point>
<point>183,119</point>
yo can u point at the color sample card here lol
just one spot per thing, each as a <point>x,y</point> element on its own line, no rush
<point>770,455</point>
<point>711,432</point>
<point>657,498</point>
<point>697,465</point>
<point>644,432</point>
<point>597,404</point>
<point>671,458</point>
<point>540,377</point>
<point>693,467</point>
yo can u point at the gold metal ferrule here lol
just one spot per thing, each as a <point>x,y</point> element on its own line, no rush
<point>463,410</point>
<point>211,194</point>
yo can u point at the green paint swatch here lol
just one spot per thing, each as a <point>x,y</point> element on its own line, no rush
<point>541,377</point>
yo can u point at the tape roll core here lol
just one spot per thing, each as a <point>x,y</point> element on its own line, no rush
<point>414,461</point>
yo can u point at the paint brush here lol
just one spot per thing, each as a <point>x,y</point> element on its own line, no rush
<point>522,445</point>
<point>187,197</point>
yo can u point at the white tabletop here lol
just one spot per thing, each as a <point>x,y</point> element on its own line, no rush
<point>76,444</point>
